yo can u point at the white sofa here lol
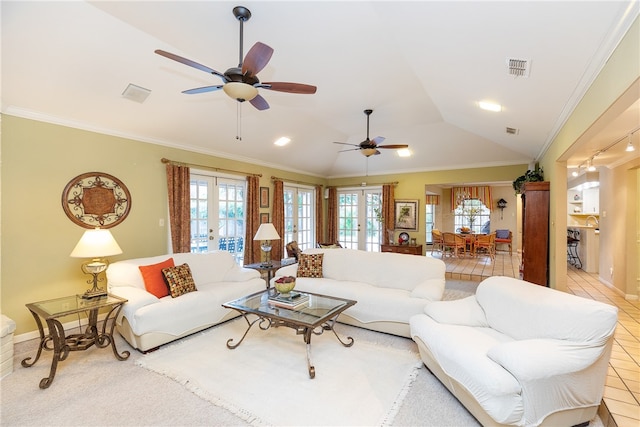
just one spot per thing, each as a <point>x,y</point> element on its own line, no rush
<point>518,353</point>
<point>147,322</point>
<point>389,287</point>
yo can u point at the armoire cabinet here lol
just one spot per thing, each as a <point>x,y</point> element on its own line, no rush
<point>535,233</point>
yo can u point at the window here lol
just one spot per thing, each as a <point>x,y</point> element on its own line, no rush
<point>472,214</point>
<point>430,211</point>
<point>217,214</point>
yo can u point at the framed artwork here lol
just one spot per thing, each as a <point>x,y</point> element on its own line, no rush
<point>96,199</point>
<point>264,197</point>
<point>264,218</point>
<point>406,215</point>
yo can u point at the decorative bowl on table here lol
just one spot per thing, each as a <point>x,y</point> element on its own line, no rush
<point>285,284</point>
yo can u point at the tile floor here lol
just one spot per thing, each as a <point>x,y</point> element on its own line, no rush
<point>621,402</point>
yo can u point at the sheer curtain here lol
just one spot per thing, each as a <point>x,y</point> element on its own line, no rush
<point>332,215</point>
<point>178,188</point>
<point>277,218</point>
<point>252,251</point>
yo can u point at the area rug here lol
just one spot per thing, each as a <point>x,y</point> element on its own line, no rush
<point>265,380</point>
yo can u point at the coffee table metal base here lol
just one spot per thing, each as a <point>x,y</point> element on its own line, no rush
<point>265,323</point>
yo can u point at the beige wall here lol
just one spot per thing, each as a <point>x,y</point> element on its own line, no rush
<point>39,159</point>
<point>614,89</point>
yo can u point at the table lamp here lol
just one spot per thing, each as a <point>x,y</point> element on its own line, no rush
<point>95,244</point>
<point>266,232</point>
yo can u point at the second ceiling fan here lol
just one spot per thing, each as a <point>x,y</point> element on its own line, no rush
<point>369,147</point>
<point>241,83</point>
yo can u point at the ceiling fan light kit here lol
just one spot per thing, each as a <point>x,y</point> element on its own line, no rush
<point>241,83</point>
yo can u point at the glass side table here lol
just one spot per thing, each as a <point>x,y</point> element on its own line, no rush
<point>52,310</point>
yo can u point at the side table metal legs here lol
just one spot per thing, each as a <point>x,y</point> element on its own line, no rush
<point>61,345</point>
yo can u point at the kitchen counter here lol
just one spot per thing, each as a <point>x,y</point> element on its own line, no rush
<point>589,247</point>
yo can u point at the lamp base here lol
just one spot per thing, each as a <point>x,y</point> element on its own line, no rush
<point>90,294</point>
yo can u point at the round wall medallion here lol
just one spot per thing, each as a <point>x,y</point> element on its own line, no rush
<point>96,199</point>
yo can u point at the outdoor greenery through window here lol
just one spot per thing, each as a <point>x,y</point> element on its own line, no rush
<point>472,215</point>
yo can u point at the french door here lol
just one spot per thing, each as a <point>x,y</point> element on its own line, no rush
<point>217,215</point>
<point>299,216</point>
<point>358,224</point>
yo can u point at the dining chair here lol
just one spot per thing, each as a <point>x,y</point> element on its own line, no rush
<point>437,241</point>
<point>486,244</point>
<point>456,245</point>
<point>505,237</point>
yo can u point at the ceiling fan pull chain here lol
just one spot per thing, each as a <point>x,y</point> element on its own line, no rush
<point>239,122</point>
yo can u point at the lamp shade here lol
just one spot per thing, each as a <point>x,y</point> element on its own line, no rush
<point>266,232</point>
<point>240,91</point>
<point>95,244</point>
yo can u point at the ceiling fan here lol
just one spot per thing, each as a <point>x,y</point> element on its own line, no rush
<point>241,83</point>
<point>369,147</point>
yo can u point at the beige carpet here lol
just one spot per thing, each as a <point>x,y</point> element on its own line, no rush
<point>265,380</point>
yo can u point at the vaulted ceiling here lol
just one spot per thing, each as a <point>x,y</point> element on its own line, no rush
<point>421,66</point>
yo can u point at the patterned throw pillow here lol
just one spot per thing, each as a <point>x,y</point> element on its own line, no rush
<point>153,278</point>
<point>179,279</point>
<point>310,265</point>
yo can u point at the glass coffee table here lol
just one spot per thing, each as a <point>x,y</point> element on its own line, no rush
<point>317,315</point>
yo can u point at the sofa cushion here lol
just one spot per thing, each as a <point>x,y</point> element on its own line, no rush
<point>154,281</point>
<point>179,279</point>
<point>525,310</point>
<point>310,265</point>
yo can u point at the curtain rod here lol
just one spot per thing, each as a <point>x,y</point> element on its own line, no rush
<point>275,178</point>
<point>367,184</point>
<point>163,160</point>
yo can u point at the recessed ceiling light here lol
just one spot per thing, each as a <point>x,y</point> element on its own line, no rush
<point>404,152</point>
<point>490,106</point>
<point>282,141</point>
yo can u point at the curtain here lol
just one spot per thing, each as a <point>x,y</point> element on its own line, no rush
<point>277,219</point>
<point>319,224</point>
<point>432,199</point>
<point>178,189</point>
<point>388,211</point>
<point>482,193</point>
<point>252,251</point>
<point>332,215</point>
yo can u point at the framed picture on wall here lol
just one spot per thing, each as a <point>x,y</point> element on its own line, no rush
<point>264,218</point>
<point>264,197</point>
<point>406,215</point>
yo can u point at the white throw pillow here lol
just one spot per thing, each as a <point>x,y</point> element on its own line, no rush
<point>465,311</point>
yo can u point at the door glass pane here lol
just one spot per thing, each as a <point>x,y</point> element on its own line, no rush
<point>231,222</point>
<point>373,232</point>
<point>299,217</point>
<point>199,216</point>
<point>348,219</point>
<point>429,219</point>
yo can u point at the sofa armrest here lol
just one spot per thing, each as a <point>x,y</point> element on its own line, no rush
<point>287,270</point>
<point>431,289</point>
<point>241,274</point>
<point>136,298</point>
<point>528,360</point>
<point>464,312</point>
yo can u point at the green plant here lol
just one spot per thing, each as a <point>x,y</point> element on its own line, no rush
<point>535,175</point>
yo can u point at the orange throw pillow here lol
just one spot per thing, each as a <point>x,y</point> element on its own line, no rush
<point>154,281</point>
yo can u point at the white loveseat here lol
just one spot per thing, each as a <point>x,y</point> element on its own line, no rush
<point>518,353</point>
<point>389,287</point>
<point>147,321</point>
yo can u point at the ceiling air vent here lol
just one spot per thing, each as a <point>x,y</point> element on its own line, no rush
<point>518,67</point>
<point>136,93</point>
<point>512,131</point>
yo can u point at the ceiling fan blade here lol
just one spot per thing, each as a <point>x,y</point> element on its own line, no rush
<point>393,146</point>
<point>351,149</point>
<point>346,143</point>
<point>289,87</point>
<point>202,89</point>
<point>190,63</point>
<point>257,58</point>
<point>378,139</point>
<point>260,103</point>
